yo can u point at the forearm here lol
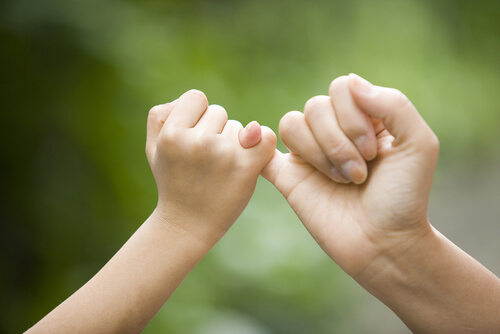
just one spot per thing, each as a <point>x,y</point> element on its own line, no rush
<point>128,291</point>
<point>435,287</point>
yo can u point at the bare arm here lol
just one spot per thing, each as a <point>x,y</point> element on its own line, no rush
<point>359,177</point>
<point>205,179</point>
<point>435,287</point>
<point>129,290</point>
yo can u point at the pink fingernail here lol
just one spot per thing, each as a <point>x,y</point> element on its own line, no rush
<point>251,125</point>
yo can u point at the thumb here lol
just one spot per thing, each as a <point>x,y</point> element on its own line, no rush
<point>397,113</point>
<point>259,142</point>
<point>250,135</point>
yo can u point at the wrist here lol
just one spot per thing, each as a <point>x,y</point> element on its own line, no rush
<point>433,286</point>
<point>400,260</point>
<point>192,230</point>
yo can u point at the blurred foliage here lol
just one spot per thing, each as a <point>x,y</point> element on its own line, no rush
<point>77,80</point>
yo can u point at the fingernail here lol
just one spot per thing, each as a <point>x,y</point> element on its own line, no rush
<point>337,176</point>
<point>366,148</point>
<point>360,85</point>
<point>251,125</point>
<point>250,135</point>
<point>353,171</point>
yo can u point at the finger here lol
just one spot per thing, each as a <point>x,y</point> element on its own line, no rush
<point>398,114</point>
<point>156,118</point>
<point>321,118</point>
<point>188,110</point>
<point>213,120</point>
<point>378,125</point>
<point>298,137</point>
<point>232,129</point>
<point>261,153</point>
<point>250,135</point>
<point>268,139</point>
<point>354,123</point>
<point>271,170</point>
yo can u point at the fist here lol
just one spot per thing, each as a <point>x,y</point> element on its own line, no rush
<point>204,175</point>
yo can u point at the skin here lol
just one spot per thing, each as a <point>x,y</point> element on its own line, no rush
<point>205,178</point>
<point>358,176</point>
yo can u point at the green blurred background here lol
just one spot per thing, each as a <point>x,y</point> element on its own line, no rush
<point>79,76</point>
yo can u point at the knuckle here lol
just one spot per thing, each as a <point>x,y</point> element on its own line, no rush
<point>338,83</point>
<point>201,141</point>
<point>199,147</point>
<point>352,130</point>
<point>198,95</point>
<point>169,137</point>
<point>399,99</point>
<point>289,123</point>
<point>154,112</point>
<point>432,143</point>
<point>234,123</point>
<point>339,151</point>
<point>217,108</point>
<point>218,111</point>
<point>168,146</point>
<point>315,104</point>
<point>426,141</point>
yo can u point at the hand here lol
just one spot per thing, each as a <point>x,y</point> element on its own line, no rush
<point>205,177</point>
<point>385,209</point>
